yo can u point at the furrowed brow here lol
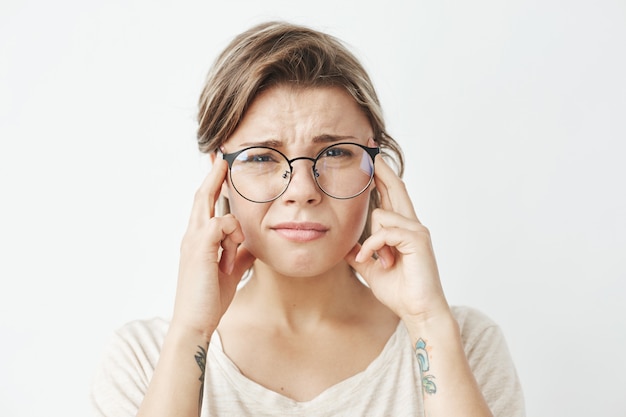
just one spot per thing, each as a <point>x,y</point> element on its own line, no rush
<point>270,143</point>
<point>326,138</point>
<point>323,138</point>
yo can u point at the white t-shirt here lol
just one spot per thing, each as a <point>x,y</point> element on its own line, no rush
<point>390,386</point>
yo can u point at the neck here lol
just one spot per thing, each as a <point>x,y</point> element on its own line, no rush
<point>302,302</point>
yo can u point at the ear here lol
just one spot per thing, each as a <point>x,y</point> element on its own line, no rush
<point>224,190</point>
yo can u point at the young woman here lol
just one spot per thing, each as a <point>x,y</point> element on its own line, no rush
<point>341,311</point>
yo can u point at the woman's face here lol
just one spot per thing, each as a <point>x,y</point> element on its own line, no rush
<point>303,232</point>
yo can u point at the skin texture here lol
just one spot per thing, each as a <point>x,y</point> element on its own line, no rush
<point>295,304</point>
<point>290,120</point>
<point>310,320</point>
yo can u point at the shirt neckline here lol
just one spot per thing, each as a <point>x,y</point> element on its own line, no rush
<point>340,391</point>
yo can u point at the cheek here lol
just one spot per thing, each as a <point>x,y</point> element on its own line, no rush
<point>356,216</point>
<point>248,214</point>
<point>237,205</point>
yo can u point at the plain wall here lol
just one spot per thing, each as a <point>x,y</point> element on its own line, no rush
<point>511,115</point>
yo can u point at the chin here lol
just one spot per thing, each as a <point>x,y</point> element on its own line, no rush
<point>301,263</point>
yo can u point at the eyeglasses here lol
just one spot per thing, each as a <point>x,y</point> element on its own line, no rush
<point>261,174</point>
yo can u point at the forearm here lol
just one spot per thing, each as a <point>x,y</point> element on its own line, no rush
<point>448,385</point>
<point>177,384</point>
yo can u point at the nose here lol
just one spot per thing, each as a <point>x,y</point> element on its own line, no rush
<point>302,188</point>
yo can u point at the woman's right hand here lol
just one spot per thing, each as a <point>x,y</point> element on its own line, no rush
<point>212,261</point>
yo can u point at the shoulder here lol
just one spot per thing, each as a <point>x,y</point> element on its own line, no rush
<point>143,331</point>
<point>469,316</point>
<point>483,340</point>
<point>135,347</point>
<point>474,324</point>
<point>489,358</point>
<point>136,344</point>
<point>125,368</point>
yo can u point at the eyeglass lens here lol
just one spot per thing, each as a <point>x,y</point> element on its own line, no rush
<point>262,174</point>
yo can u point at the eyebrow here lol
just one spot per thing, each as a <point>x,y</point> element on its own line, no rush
<point>323,138</point>
<point>270,143</point>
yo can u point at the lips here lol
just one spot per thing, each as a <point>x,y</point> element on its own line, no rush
<point>300,231</point>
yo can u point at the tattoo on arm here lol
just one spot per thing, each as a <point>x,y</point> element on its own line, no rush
<point>200,357</point>
<point>428,385</point>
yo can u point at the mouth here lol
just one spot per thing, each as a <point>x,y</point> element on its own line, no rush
<point>300,232</point>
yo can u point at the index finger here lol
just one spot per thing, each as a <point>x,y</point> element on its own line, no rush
<point>392,190</point>
<point>209,192</point>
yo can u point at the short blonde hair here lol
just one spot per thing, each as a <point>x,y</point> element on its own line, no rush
<point>281,53</point>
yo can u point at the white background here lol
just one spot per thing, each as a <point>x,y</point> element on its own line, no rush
<point>511,113</point>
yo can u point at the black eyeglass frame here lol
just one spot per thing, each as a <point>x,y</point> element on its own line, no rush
<point>372,152</point>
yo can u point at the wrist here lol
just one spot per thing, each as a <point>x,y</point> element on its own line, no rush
<point>182,332</point>
<point>434,321</point>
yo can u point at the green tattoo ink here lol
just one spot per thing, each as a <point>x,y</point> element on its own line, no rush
<point>428,385</point>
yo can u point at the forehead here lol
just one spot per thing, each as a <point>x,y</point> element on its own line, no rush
<point>287,114</point>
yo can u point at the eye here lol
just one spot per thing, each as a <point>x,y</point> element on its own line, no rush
<point>258,156</point>
<point>336,152</point>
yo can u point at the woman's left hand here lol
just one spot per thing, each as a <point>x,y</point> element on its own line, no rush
<point>404,276</point>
